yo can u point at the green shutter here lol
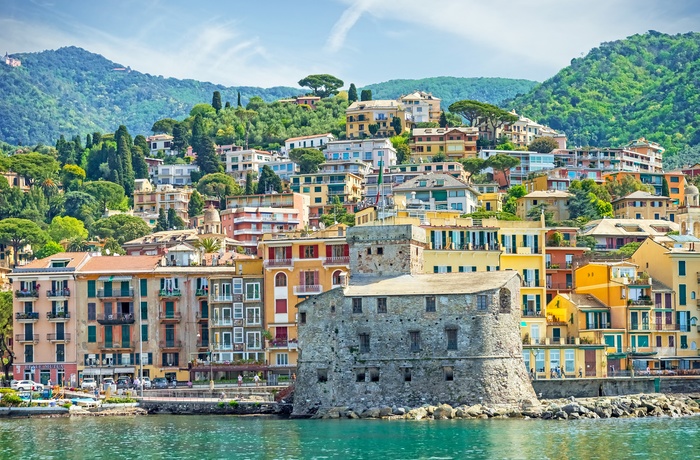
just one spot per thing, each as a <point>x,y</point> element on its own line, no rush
<point>537,277</point>
<point>91,288</point>
<point>144,310</point>
<point>126,335</point>
<point>524,302</point>
<point>108,289</point>
<point>144,332</point>
<point>681,295</point>
<point>108,335</point>
<point>144,287</point>
<point>92,334</point>
<point>537,303</point>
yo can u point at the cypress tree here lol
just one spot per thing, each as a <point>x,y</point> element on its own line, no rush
<point>196,204</point>
<point>162,222</point>
<point>88,141</point>
<point>239,99</point>
<point>352,93</point>
<point>216,101</point>
<point>249,189</point>
<point>366,95</point>
<point>443,119</point>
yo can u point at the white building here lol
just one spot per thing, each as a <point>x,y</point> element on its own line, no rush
<point>282,166</point>
<point>367,150</point>
<point>424,107</point>
<point>238,163</point>
<point>178,175</point>
<point>433,192</point>
<point>307,142</point>
<point>161,143</point>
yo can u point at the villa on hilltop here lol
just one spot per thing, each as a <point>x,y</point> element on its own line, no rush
<point>12,62</point>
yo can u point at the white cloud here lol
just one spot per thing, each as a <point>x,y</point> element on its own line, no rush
<point>347,21</point>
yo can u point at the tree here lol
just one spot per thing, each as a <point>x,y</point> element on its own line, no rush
<point>352,93</point>
<point>543,144</point>
<point>79,204</point>
<point>219,185</point>
<point>65,228</point>
<point>443,120</point>
<point>269,181</point>
<point>180,138</point>
<point>77,245</point>
<point>664,188</point>
<point>503,163</point>
<point>19,233</point>
<point>164,126</point>
<point>473,165</point>
<point>49,249</point>
<point>397,125</point>
<point>139,152</point>
<point>108,194</point>
<point>238,103</point>
<point>510,201</point>
<point>208,245</point>
<point>162,222</point>
<point>536,212</point>
<point>34,167</point>
<point>495,117</point>
<point>249,184</point>
<point>373,128</point>
<point>216,101</point>
<point>366,95</point>
<point>196,204</point>
<point>586,241</point>
<point>121,227</point>
<point>72,177</point>
<point>438,157</point>
<point>207,159</point>
<point>338,215</point>
<point>246,115</point>
<point>618,188</point>
<point>307,159</point>
<point>403,151</point>
<point>468,109</point>
<point>174,221</point>
<point>322,85</point>
<point>6,355</point>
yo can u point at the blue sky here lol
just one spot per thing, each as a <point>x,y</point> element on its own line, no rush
<point>278,42</point>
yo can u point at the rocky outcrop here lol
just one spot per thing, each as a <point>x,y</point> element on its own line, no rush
<point>643,405</point>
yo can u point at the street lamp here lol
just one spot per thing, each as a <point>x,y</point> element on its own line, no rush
<point>211,364</point>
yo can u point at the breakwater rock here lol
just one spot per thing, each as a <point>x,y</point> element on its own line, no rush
<point>642,405</point>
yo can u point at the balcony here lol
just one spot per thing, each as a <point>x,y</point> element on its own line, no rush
<point>169,293</point>
<point>287,344</point>
<point>116,319</point>
<point>58,317</point>
<point>344,260</point>
<point>641,302</point>
<point>224,346</point>
<point>123,345</point>
<point>531,283</point>
<point>203,344</point>
<point>27,294</point>
<point>269,263</point>
<point>590,327</point>
<point>115,293</point>
<point>221,298</point>
<point>204,292</point>
<point>27,338</point>
<point>58,293</point>
<point>202,317</point>
<point>560,286</point>
<point>666,327</point>
<point>640,327</point>
<point>58,338</point>
<point>169,316</point>
<point>30,317</point>
<point>307,289</point>
<point>170,343</point>
<point>532,313</point>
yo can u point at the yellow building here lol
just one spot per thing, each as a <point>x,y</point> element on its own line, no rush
<point>641,205</point>
<point>296,267</point>
<point>674,262</point>
<point>455,143</point>
<point>555,201</point>
<point>492,201</point>
<point>361,114</point>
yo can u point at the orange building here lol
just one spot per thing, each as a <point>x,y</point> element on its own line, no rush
<point>561,251</point>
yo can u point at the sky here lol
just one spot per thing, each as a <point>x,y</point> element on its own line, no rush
<point>278,42</point>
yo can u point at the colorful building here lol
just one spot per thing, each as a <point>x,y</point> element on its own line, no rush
<point>675,182</point>
<point>455,143</point>
<point>614,233</point>
<point>374,151</point>
<point>554,201</point>
<point>641,205</point>
<point>361,114</point>
<point>561,251</point>
<point>424,107</point>
<point>435,192</point>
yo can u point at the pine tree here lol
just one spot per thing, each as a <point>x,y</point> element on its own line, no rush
<point>396,124</point>
<point>366,95</point>
<point>196,204</point>
<point>352,93</point>
<point>269,181</point>
<point>162,222</point>
<point>443,119</point>
<point>238,104</point>
<point>249,186</point>
<point>216,101</point>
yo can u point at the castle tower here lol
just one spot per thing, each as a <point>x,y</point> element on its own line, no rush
<point>386,250</point>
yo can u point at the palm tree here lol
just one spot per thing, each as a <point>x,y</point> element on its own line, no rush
<point>208,245</point>
<point>77,244</point>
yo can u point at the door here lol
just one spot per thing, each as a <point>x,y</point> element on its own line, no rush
<point>590,363</point>
<point>60,331</point>
<point>169,309</point>
<point>556,335</point>
<point>535,333</point>
<point>108,289</point>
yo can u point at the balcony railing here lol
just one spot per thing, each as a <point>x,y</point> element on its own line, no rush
<point>531,283</point>
<point>221,298</point>
<point>562,286</point>
<point>115,293</point>
<point>170,344</point>
<point>26,293</point>
<point>532,313</point>
<point>58,293</point>
<point>202,292</point>
<point>344,260</point>
<point>62,316</point>
<point>58,337</point>
<point>169,293</point>
<point>598,326</point>
<point>27,338</point>
<point>27,317</point>
<point>278,263</point>
<point>305,289</point>
<point>221,322</point>
<point>169,316</point>
<point>123,345</point>
<point>127,318</point>
<point>642,302</point>
<point>640,327</point>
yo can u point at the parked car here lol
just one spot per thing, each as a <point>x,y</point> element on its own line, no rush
<point>123,383</point>
<point>28,385</point>
<point>108,381</point>
<point>88,384</point>
<point>160,383</point>
<point>146,383</point>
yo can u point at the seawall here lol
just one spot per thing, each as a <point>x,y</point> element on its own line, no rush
<point>210,407</point>
<point>592,387</point>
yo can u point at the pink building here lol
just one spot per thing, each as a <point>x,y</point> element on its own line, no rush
<point>45,322</point>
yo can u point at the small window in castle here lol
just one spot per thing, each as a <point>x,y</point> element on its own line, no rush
<point>364,343</point>
<point>374,374</point>
<point>451,338</point>
<point>482,302</point>
<point>302,317</point>
<point>322,375</point>
<point>359,375</point>
<point>448,372</point>
<point>406,374</point>
<point>357,305</point>
<point>504,300</point>
<point>381,305</point>
<point>369,251</point>
<point>430,303</point>
<point>380,251</point>
<point>414,337</point>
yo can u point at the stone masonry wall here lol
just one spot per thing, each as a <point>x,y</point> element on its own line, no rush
<point>334,370</point>
<point>386,251</point>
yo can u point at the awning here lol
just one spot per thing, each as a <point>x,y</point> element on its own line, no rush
<point>114,278</point>
<point>617,355</point>
<point>594,309</point>
<point>124,370</point>
<point>98,371</point>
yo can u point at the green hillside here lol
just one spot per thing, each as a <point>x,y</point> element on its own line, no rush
<point>72,91</point>
<point>451,89</point>
<point>645,85</point>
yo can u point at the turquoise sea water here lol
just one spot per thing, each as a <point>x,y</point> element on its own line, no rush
<point>209,437</point>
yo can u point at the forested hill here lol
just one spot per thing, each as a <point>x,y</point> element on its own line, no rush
<point>72,91</point>
<point>645,85</point>
<point>451,89</point>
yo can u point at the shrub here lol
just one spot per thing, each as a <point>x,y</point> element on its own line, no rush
<point>221,404</point>
<point>119,400</point>
<point>10,399</point>
<point>233,403</point>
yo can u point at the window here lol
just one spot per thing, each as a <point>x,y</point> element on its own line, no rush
<point>143,286</point>
<point>374,374</point>
<point>380,251</point>
<point>92,334</point>
<point>414,339</point>
<point>60,352</point>
<point>29,353</point>
<point>406,374</point>
<point>144,332</point>
<point>448,372</point>
<point>322,375</point>
<point>381,305</point>
<point>364,342</point>
<point>252,316</point>
<point>554,359</point>
<point>91,288</point>
<point>430,303</point>
<point>282,359</point>
<point>451,334</point>
<point>681,268</point>
<point>92,311</point>
<point>252,291</point>
<point>144,310</point>
<point>253,340</point>
<point>238,286</point>
<point>359,375</point>
<point>336,278</point>
<point>357,305</point>
<point>280,280</point>
<point>308,252</point>
<point>482,302</point>
<point>237,311</point>
<point>302,317</point>
<point>237,335</point>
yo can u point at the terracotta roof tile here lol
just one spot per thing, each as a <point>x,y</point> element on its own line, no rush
<point>122,264</point>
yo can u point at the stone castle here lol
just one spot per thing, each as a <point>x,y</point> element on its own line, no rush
<point>395,337</point>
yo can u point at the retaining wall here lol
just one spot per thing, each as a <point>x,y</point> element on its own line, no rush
<point>588,388</point>
<point>203,407</point>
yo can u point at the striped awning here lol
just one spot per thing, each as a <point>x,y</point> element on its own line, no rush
<point>115,278</point>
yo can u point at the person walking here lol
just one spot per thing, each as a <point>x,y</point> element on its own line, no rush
<point>240,380</point>
<point>256,379</point>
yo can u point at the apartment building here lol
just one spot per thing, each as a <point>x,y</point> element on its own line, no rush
<point>455,143</point>
<point>675,182</point>
<point>560,253</point>
<point>179,175</point>
<point>436,191</point>
<point>641,205</point>
<point>374,151</point>
<point>148,201</point>
<point>361,114</point>
<point>238,163</point>
<point>554,201</point>
<point>313,141</point>
<point>424,107</point>
<point>323,188</point>
<point>161,143</point>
